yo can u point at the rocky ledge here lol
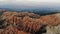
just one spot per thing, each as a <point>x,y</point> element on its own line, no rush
<point>29,23</point>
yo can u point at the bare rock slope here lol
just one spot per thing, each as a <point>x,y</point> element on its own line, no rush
<point>29,23</point>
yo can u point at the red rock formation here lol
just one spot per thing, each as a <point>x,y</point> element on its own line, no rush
<point>28,22</point>
<point>50,19</point>
<point>13,30</point>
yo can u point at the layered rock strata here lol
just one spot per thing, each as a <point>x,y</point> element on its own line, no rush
<point>29,23</point>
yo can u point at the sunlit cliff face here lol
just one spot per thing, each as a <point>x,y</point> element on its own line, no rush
<point>27,22</point>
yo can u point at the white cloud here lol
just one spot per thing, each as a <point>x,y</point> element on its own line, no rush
<point>39,0</point>
<point>3,0</point>
<point>31,2</point>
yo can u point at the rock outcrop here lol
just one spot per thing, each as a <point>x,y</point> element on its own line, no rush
<point>29,23</point>
<point>52,22</point>
<point>23,21</point>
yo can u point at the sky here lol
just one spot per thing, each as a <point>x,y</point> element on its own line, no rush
<point>32,0</point>
<point>30,3</point>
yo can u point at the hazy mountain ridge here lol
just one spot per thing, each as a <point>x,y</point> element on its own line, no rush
<point>36,11</point>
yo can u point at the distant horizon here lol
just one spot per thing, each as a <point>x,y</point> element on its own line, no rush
<point>30,4</point>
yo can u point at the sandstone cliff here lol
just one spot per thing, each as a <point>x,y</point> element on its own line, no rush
<point>28,23</point>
